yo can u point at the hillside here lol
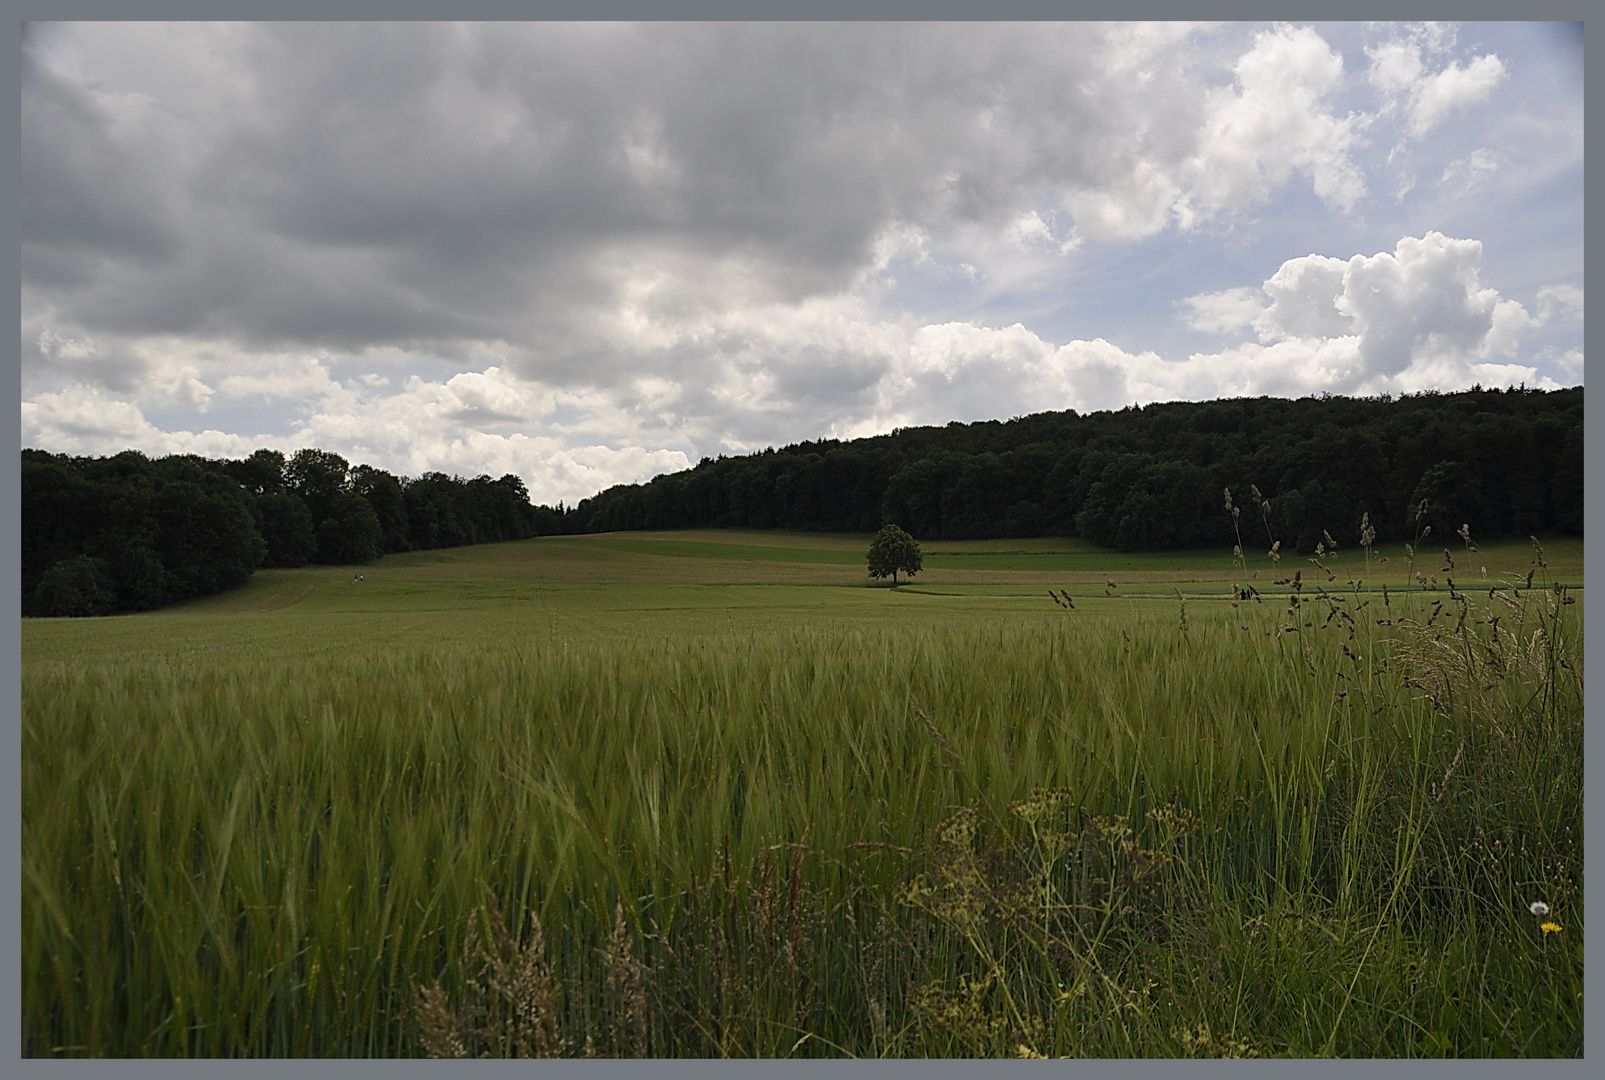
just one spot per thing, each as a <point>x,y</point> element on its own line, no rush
<point>1508,463</point>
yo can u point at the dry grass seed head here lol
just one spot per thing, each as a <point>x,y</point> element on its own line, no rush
<point>626,989</point>
<point>509,1005</point>
<point>437,1023</point>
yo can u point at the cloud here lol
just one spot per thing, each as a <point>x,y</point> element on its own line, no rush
<point>582,253</point>
<point>1467,172</point>
<point>84,420</point>
<point>440,188</point>
<point>1399,74</point>
<point>1272,122</point>
<point>442,426</point>
<point>1229,311</point>
<point>415,430</point>
<point>1304,294</point>
<point>1423,299</point>
<point>1455,87</point>
<point>1412,319</point>
<point>1560,302</point>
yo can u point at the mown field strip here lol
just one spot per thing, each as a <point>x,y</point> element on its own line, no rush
<point>1072,557</point>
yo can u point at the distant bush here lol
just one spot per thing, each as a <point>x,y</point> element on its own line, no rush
<point>76,586</point>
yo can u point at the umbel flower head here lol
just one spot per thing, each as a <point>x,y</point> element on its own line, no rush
<point>1539,908</point>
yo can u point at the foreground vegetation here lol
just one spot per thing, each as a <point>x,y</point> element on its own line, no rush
<point>550,797</point>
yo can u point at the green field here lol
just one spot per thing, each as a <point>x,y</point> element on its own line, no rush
<point>755,807</point>
<point>1073,561</point>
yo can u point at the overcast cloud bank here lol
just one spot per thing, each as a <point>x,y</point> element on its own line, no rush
<point>586,254</point>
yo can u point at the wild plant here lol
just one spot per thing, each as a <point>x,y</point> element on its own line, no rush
<point>1423,530</point>
<point>509,1003</point>
<point>1237,548</point>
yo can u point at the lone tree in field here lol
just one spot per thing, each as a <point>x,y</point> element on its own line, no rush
<point>893,550</point>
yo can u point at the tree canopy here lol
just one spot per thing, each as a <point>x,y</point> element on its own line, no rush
<point>893,550</point>
<point>129,533</point>
<point>1509,462</point>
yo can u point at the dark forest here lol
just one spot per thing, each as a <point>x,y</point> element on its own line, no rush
<point>128,533</point>
<point>1509,463</point>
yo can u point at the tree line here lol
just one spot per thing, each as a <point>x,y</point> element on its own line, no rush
<point>1507,462</point>
<point>131,533</point>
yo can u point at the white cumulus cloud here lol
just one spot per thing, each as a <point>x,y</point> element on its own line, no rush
<point>1273,121</point>
<point>1399,72</point>
<point>1412,319</point>
<point>1229,311</point>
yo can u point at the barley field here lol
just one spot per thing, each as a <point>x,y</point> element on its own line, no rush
<point>710,795</point>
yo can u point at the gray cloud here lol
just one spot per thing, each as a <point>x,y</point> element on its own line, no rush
<point>426,185</point>
<point>569,249</point>
<point>86,196</point>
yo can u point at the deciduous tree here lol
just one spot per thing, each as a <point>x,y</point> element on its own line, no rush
<point>893,550</point>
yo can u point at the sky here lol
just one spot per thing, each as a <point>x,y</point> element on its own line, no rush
<point>587,254</point>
